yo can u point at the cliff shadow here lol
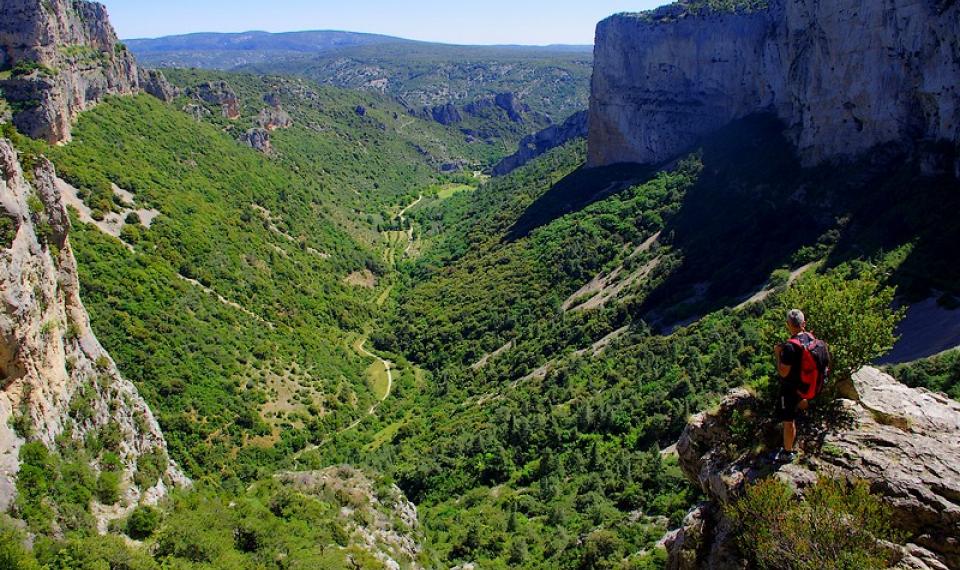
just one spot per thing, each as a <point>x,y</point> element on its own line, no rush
<point>576,191</point>
<point>756,209</point>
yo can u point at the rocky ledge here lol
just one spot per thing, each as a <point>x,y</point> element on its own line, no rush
<point>904,442</point>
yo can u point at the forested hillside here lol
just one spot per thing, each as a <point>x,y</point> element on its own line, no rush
<point>367,353</point>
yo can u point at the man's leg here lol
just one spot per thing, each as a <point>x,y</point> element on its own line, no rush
<point>789,435</point>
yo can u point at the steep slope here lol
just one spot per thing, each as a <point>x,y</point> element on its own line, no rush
<point>57,58</point>
<point>60,387</point>
<point>843,76</point>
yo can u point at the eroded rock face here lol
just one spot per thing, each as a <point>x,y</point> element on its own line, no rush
<point>155,83</point>
<point>904,442</point>
<point>549,138</point>
<point>273,118</point>
<point>258,139</point>
<point>844,76</point>
<point>49,356</point>
<point>64,57</point>
<point>218,93</point>
<point>447,114</point>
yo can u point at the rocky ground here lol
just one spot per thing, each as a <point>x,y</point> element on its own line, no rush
<point>904,442</point>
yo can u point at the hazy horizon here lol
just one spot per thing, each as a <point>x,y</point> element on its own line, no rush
<point>535,22</point>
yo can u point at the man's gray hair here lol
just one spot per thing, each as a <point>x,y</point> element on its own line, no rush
<point>796,318</point>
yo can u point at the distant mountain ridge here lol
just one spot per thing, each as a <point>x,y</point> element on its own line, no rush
<point>313,41</point>
<point>307,41</point>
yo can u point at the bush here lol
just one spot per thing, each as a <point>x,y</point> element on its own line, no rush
<point>13,555</point>
<point>851,312</point>
<point>837,526</point>
<point>143,522</point>
<point>108,487</point>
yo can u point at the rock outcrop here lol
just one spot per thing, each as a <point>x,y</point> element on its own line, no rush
<point>446,115</point>
<point>844,76</point>
<point>381,519</point>
<point>155,83</point>
<point>273,118</point>
<point>218,93</point>
<point>63,56</point>
<point>258,139</point>
<point>534,145</point>
<point>904,442</point>
<point>510,103</point>
<point>55,377</point>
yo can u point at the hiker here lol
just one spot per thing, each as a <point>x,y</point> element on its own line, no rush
<point>803,365</point>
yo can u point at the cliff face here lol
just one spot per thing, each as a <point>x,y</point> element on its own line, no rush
<point>844,76</point>
<point>904,442</point>
<point>61,56</point>
<point>55,376</point>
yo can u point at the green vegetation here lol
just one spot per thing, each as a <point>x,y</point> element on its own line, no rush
<point>551,330</point>
<point>728,5</point>
<point>25,67</point>
<point>850,308</point>
<point>837,525</point>
<point>940,373</point>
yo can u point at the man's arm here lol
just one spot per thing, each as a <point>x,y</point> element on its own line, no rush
<point>782,369</point>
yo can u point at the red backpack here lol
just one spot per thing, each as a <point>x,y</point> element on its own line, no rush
<point>814,364</point>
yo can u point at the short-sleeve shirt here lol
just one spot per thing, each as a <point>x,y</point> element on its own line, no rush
<point>792,356</point>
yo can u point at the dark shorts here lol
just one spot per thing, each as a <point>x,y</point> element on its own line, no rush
<point>787,402</point>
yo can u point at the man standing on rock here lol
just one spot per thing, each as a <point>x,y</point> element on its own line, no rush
<point>802,364</point>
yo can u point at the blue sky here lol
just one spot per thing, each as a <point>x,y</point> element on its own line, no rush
<point>471,22</point>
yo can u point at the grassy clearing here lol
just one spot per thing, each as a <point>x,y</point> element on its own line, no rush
<point>449,190</point>
<point>379,382</point>
<point>385,435</point>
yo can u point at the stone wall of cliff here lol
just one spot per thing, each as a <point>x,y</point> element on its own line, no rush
<point>59,57</point>
<point>843,76</point>
<point>55,376</point>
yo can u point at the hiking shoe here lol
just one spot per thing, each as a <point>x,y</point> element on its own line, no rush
<point>785,457</point>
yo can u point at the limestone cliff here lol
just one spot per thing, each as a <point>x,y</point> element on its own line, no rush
<point>55,377</point>
<point>60,57</point>
<point>843,76</point>
<point>904,442</point>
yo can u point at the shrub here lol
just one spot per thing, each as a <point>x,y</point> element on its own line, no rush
<point>12,552</point>
<point>8,231</point>
<point>851,312</point>
<point>836,526</point>
<point>143,522</point>
<point>108,487</point>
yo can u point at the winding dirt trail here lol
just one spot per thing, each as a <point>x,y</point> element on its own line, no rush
<point>402,218</point>
<point>386,364</point>
<point>359,347</point>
